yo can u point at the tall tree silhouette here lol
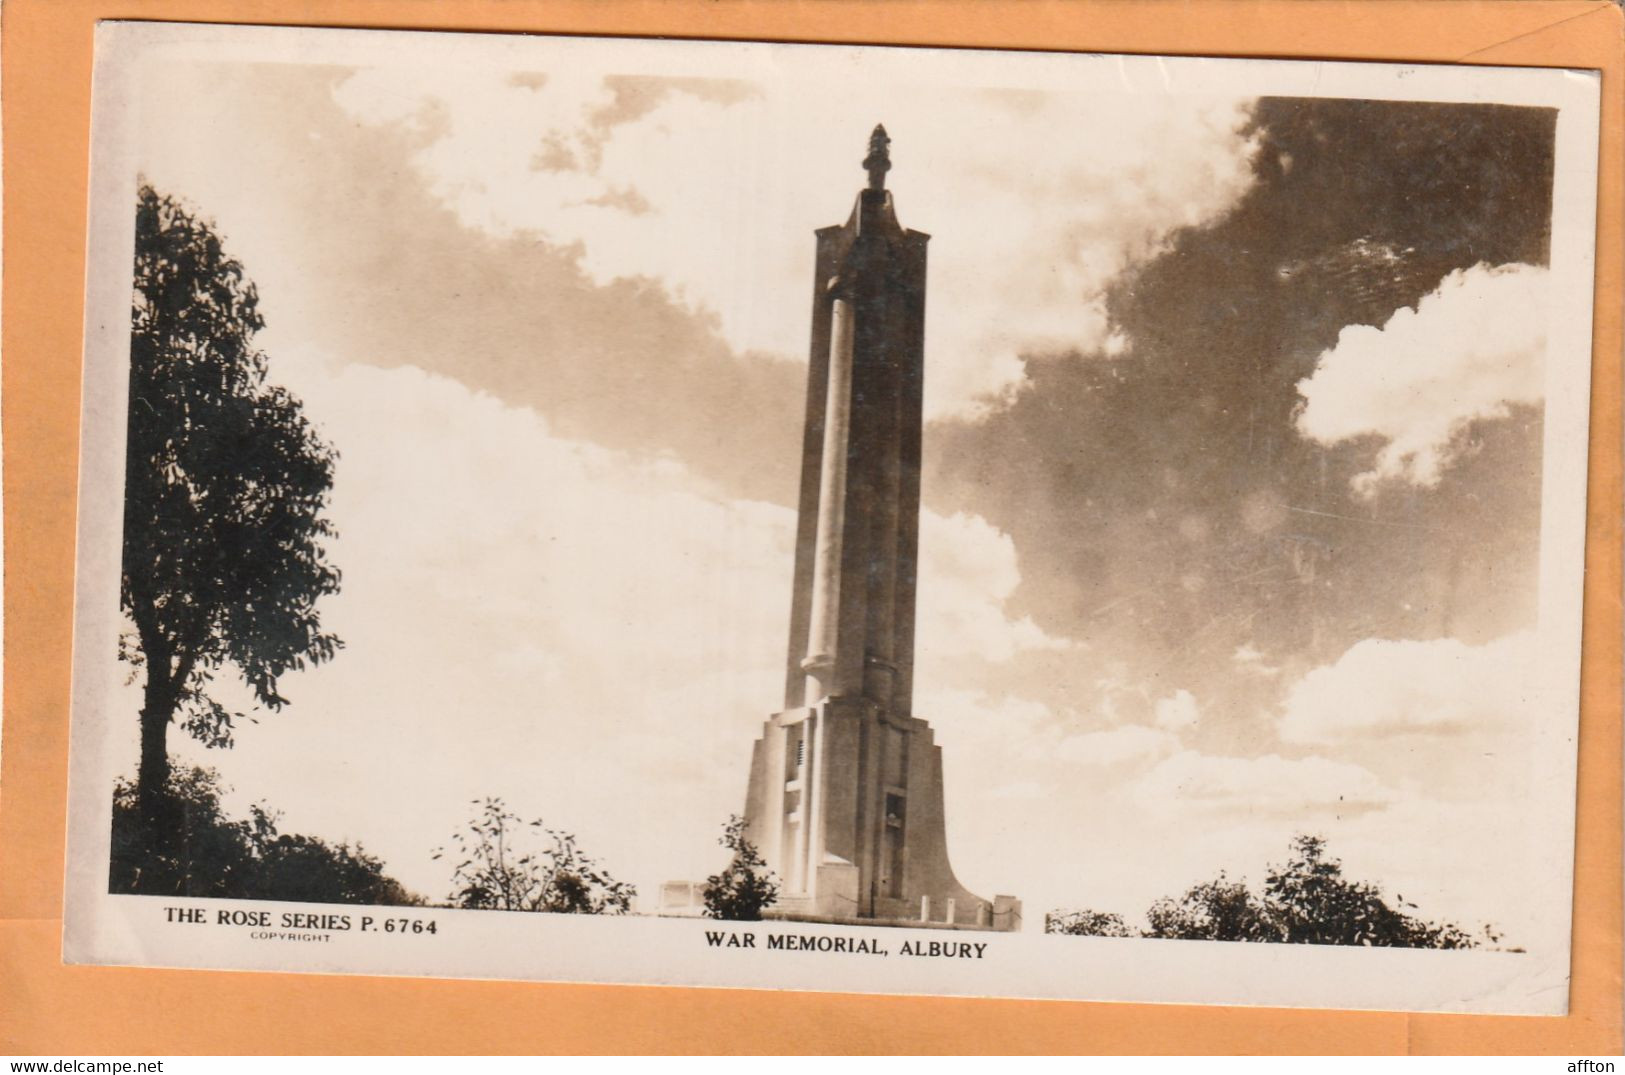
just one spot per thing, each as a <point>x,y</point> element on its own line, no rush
<point>225,487</point>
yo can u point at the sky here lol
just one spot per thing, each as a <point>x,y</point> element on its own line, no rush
<point>1231,492</point>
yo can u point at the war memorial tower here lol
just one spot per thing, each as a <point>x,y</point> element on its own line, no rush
<point>845,796</point>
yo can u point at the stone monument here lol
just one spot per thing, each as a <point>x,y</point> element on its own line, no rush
<point>845,795</point>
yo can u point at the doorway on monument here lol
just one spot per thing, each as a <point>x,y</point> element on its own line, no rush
<point>891,881</point>
<point>894,819</point>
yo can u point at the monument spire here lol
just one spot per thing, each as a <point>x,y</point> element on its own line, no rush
<point>845,794</point>
<point>878,162</point>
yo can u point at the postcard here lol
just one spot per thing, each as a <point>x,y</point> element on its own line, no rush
<point>861,519</point>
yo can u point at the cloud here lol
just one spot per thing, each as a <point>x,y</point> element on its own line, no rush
<point>355,256</point>
<point>968,570</point>
<point>1467,351</point>
<point>1444,687</point>
<point>1441,821</point>
<point>973,723</point>
<point>713,188</point>
<point>1470,752</point>
<point>1269,786</point>
<point>1129,744</point>
<point>1178,712</point>
<point>1020,790</point>
<point>1249,661</point>
<point>1472,862</point>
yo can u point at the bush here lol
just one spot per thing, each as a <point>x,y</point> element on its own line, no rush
<point>1219,910</point>
<point>1307,901</point>
<point>743,890</point>
<point>497,873</point>
<point>1087,924</point>
<point>1312,903</point>
<point>207,854</point>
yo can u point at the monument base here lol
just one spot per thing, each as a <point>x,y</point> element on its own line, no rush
<point>845,804</point>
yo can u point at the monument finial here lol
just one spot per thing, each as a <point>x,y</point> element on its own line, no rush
<point>878,162</point>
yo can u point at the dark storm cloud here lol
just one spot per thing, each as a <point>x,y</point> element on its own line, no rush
<point>1163,505</point>
<point>388,275</point>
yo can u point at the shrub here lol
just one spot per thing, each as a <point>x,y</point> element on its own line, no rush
<point>497,872</point>
<point>211,855</point>
<point>1087,924</point>
<point>743,890</point>
<point>1218,910</point>
<point>1307,901</point>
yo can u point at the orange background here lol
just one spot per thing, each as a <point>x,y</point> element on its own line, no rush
<point>46,1007</point>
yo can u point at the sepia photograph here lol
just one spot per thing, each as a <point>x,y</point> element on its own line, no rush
<point>864,519</point>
